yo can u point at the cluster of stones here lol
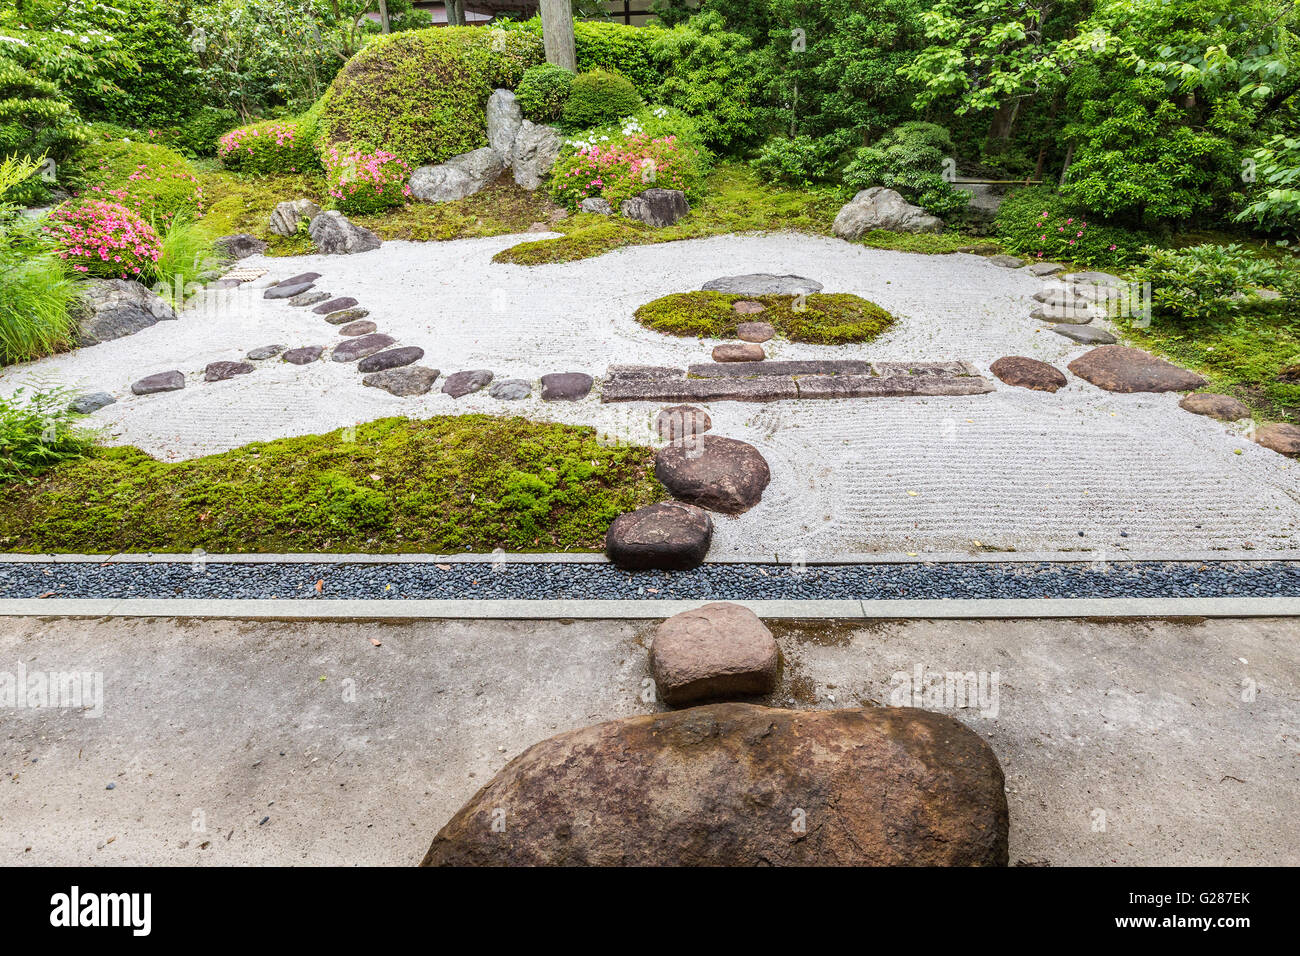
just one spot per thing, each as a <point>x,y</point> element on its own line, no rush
<point>332,232</point>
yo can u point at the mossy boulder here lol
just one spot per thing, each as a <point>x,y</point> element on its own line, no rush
<point>821,319</point>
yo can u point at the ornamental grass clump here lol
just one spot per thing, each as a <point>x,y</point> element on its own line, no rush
<point>363,182</point>
<point>103,238</point>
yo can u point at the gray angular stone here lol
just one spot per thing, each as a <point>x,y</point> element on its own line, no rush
<point>159,382</point>
<point>303,356</point>
<point>458,177</point>
<point>1068,314</point>
<point>1094,278</point>
<point>881,208</point>
<point>286,291</point>
<point>265,352</point>
<point>656,207</point>
<point>763,283</point>
<point>1087,334</point>
<point>1006,262</point>
<point>239,246</point>
<point>113,308</point>
<point>889,386</point>
<point>220,371</point>
<point>1061,298</point>
<point>391,358</point>
<point>597,205</point>
<point>344,316</point>
<point>361,346</point>
<point>335,305</point>
<point>287,215</point>
<point>511,389</point>
<point>360,327</point>
<point>335,235</point>
<point>535,151</point>
<point>460,384</point>
<point>668,536</point>
<point>310,297</point>
<point>565,386</point>
<point>1043,269</point>
<point>403,382</point>
<point>790,367</point>
<point>91,402</point>
<point>644,371</point>
<point>504,118</point>
<point>762,388</point>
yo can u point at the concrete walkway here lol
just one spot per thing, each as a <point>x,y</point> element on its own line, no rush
<point>230,742</point>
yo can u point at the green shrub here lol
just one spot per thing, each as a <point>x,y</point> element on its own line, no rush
<point>421,94</point>
<point>616,47</point>
<point>198,135</point>
<point>37,430</point>
<point>187,253</point>
<point>543,92</point>
<point>36,296</point>
<point>1212,282</point>
<point>1024,230</point>
<point>600,97</point>
<point>910,159</point>
<point>35,119</point>
<point>153,181</point>
<point>271,146</point>
<point>800,160</point>
<point>1276,204</point>
<point>822,319</point>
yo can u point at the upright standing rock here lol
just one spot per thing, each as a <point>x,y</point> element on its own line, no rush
<point>536,149</point>
<point>504,117</point>
<point>335,235</point>
<point>287,215</point>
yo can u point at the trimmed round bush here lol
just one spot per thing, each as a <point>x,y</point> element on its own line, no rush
<point>543,92</point>
<point>104,238</point>
<point>272,146</point>
<point>153,181</point>
<point>822,319</point>
<point>908,159</point>
<point>362,182</point>
<point>600,97</point>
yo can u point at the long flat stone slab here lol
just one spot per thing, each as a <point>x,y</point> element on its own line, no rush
<point>889,386</point>
<point>757,389</point>
<point>775,369</point>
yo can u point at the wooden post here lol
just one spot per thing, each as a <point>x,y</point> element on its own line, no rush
<point>557,34</point>
<point>383,17</point>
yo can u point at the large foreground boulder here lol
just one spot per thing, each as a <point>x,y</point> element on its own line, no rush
<point>721,474</point>
<point>113,308</point>
<point>656,207</point>
<point>742,785</point>
<point>335,235</point>
<point>458,177</point>
<point>668,536</point>
<point>881,208</point>
<point>1118,368</point>
<point>536,149</point>
<point>714,652</point>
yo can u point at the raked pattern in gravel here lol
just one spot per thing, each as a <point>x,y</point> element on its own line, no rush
<point>1014,469</point>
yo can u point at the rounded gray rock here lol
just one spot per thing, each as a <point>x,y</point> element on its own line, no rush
<point>302,356</point>
<point>220,371</point>
<point>717,473</point>
<point>459,384</point>
<point>511,389</point>
<point>360,327</point>
<point>391,358</point>
<point>403,382</point>
<point>159,382</point>
<point>565,386</point>
<point>344,316</point>
<point>763,283</point>
<point>91,402</point>
<point>335,305</point>
<point>265,352</point>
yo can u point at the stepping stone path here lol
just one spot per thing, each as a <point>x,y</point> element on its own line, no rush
<point>363,345</point>
<point>363,327</point>
<point>715,652</point>
<point>1086,334</point>
<point>1281,438</point>
<point>265,352</point>
<point>403,382</point>
<point>763,283</point>
<point>1223,407</point>
<point>460,384</point>
<point>1069,314</point>
<point>298,279</point>
<point>511,389</point>
<point>1043,269</point>
<point>220,371</point>
<point>159,382</point>
<point>343,316</point>
<point>668,536</point>
<point>335,305</point>
<point>308,298</point>
<point>682,421</point>
<point>748,307</point>
<point>303,356</point>
<point>566,386</point>
<point>391,358</point>
<point>720,474</point>
<point>286,291</point>
<point>1006,262</point>
<point>746,352</point>
<point>1061,298</point>
<point>1028,373</point>
<point>1118,368</point>
<point>754,331</point>
<point>93,402</point>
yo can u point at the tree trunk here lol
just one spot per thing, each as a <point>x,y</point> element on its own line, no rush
<point>455,13</point>
<point>557,34</point>
<point>383,17</point>
<point>1069,158</point>
<point>1004,121</point>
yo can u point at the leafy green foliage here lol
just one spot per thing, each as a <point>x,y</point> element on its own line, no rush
<point>153,181</point>
<point>35,118</point>
<point>271,146</point>
<point>822,319</point>
<point>1024,230</point>
<point>1213,281</point>
<point>37,431</point>
<point>910,159</point>
<point>800,160</point>
<point>1276,201</point>
<point>187,253</point>
<point>599,97</point>
<point>543,92</point>
<point>614,47</point>
<point>197,136</point>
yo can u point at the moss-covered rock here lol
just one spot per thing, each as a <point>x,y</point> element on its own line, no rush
<point>821,319</point>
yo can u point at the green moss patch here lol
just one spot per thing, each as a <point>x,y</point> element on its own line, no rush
<point>444,484</point>
<point>822,319</point>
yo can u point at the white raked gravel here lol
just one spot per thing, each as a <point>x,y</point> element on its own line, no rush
<point>1013,469</point>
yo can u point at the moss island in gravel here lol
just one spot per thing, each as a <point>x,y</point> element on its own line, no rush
<point>821,319</point>
<point>450,483</point>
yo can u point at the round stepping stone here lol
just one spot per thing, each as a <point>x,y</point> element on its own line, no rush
<point>1094,278</point>
<point>1046,268</point>
<point>717,473</point>
<point>361,346</point>
<point>1223,407</point>
<point>1281,438</point>
<point>391,358</point>
<point>1028,373</point>
<point>335,305</point>
<point>565,386</point>
<point>91,402</point>
<point>1118,368</point>
<point>1006,262</point>
<point>682,421</point>
<point>343,316</point>
<point>308,298</point>
<point>220,371</point>
<point>303,356</point>
<point>286,291</point>
<point>1061,298</point>
<point>716,652</point>
<point>748,307</point>
<point>298,279</point>
<point>763,283</point>
<point>1087,334</point>
<point>1068,314</point>
<point>159,382</point>
<point>511,389</point>
<point>739,353</point>
<point>403,382</point>
<point>754,331</point>
<point>669,536</point>
<point>459,384</point>
<point>363,327</point>
<point>265,352</point>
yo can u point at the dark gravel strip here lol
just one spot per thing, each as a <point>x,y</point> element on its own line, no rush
<point>603,581</point>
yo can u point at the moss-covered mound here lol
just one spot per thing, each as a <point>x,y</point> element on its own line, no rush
<point>154,181</point>
<point>421,94</point>
<point>822,319</point>
<point>444,484</point>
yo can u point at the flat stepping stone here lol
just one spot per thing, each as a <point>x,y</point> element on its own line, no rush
<point>390,358</point>
<point>763,283</point>
<point>1223,407</point>
<point>403,382</point>
<point>1118,368</point>
<point>1043,269</point>
<point>889,386</point>
<point>308,298</point>
<point>795,367</point>
<point>1006,261</point>
<point>361,346</point>
<point>755,331</point>
<point>460,384</point>
<point>363,327</point>
<point>717,652</point>
<point>511,389</point>
<point>1028,373</point>
<point>720,474</point>
<point>220,371</point>
<point>91,402</point>
<point>1094,279</point>
<point>644,371</point>
<point>344,316</point>
<point>566,386</point>
<point>298,279</point>
<point>303,356</point>
<point>335,305</point>
<point>1068,315</point>
<point>286,291</point>
<point>756,389</point>
<point>669,536</point>
<point>159,382</point>
<point>265,352</point>
<point>682,421</point>
<point>1062,298</point>
<point>1087,334</point>
<point>1281,438</point>
<point>748,307</point>
<point>741,352</point>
